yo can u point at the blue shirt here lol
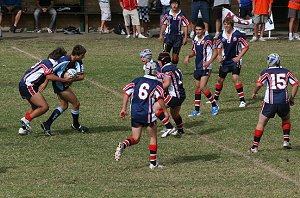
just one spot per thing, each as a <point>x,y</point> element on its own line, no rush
<point>203,49</point>
<point>174,23</point>
<point>244,3</point>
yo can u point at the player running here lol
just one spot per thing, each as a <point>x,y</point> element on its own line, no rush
<point>231,46</point>
<point>33,83</point>
<point>143,92</point>
<point>64,92</point>
<point>276,100</point>
<point>171,30</point>
<point>203,50</point>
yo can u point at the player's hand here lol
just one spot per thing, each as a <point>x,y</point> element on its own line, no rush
<point>42,87</point>
<point>220,59</point>
<point>236,59</point>
<point>186,60</point>
<point>68,81</point>
<point>254,95</point>
<point>167,116</point>
<point>123,114</point>
<point>292,101</point>
<point>184,42</point>
<point>205,64</point>
<point>161,38</point>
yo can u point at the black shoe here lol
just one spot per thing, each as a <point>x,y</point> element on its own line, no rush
<point>81,128</point>
<point>13,29</point>
<point>46,128</point>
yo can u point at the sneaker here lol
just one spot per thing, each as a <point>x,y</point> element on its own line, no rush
<point>49,31</point>
<point>81,128</point>
<point>215,110</point>
<point>192,35</point>
<point>168,132</point>
<point>37,30</point>
<point>163,130</point>
<point>262,39</point>
<point>26,124</point>
<point>195,113</point>
<point>253,39</point>
<point>13,29</point>
<point>46,129</point>
<point>141,36</point>
<point>119,151</point>
<point>23,131</point>
<point>151,166</point>
<point>296,36</point>
<point>287,145</point>
<point>253,149</point>
<point>128,36</point>
<point>242,104</point>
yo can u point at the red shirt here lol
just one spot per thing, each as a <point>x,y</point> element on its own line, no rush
<point>129,4</point>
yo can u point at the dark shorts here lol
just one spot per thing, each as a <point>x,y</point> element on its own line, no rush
<point>204,9</point>
<point>200,73</point>
<point>27,92</point>
<point>233,68</point>
<point>173,41</point>
<point>217,11</point>
<point>246,11</point>
<point>173,101</point>
<point>15,10</point>
<point>270,110</point>
<point>137,124</point>
<point>59,87</point>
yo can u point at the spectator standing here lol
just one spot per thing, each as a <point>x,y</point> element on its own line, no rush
<point>294,15</point>
<point>165,8</point>
<point>203,7</point>
<point>105,15</point>
<point>143,10</point>
<point>14,7</point>
<point>261,10</point>
<point>44,6</point>
<point>245,7</point>
<point>217,13</point>
<point>130,12</point>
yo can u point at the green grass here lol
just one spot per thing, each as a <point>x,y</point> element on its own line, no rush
<point>211,160</point>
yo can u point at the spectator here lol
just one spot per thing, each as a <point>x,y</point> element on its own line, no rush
<point>261,11</point>
<point>217,13</point>
<point>14,7</point>
<point>130,12</point>
<point>44,6</point>
<point>203,7</point>
<point>165,8</point>
<point>105,15</point>
<point>143,10</point>
<point>245,7</point>
<point>294,15</point>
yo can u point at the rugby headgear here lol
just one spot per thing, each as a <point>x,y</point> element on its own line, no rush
<point>150,68</point>
<point>146,53</point>
<point>273,60</point>
<point>164,57</point>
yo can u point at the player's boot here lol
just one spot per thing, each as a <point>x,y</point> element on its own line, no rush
<point>287,145</point>
<point>152,166</point>
<point>26,124</point>
<point>119,151</point>
<point>253,149</point>
<point>242,104</point>
<point>195,113</point>
<point>46,129</point>
<point>23,131</point>
<point>168,132</point>
<point>215,110</point>
<point>81,128</point>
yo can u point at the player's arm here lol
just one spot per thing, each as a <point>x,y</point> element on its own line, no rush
<point>256,89</point>
<point>121,4</point>
<point>294,92</point>
<point>212,58</point>
<point>243,52</point>
<point>185,35</point>
<point>163,106</point>
<point>79,77</point>
<point>53,77</point>
<point>187,58</point>
<point>163,29</point>
<point>166,82</point>
<point>123,112</point>
<point>43,85</point>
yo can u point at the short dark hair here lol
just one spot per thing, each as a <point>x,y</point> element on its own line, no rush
<point>175,1</point>
<point>229,20</point>
<point>78,50</point>
<point>57,53</point>
<point>200,24</point>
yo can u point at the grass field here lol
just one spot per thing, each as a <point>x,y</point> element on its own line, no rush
<point>210,160</point>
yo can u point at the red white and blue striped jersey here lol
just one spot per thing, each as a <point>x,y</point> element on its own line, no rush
<point>144,92</point>
<point>203,49</point>
<point>36,75</point>
<point>277,80</point>
<point>231,46</point>
<point>174,23</point>
<point>175,88</point>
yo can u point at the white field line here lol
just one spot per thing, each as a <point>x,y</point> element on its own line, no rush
<point>259,163</point>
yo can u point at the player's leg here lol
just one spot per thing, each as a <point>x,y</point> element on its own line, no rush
<point>152,133</point>
<point>207,93</point>
<point>284,114</point>
<point>177,43</point>
<point>175,113</point>
<point>239,88</point>
<point>220,82</point>
<point>39,104</point>
<point>161,116</point>
<point>197,101</point>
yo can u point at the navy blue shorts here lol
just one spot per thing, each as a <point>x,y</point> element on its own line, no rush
<point>173,41</point>
<point>137,124</point>
<point>233,68</point>
<point>200,73</point>
<point>173,101</point>
<point>203,7</point>
<point>270,110</point>
<point>15,10</point>
<point>59,87</point>
<point>27,92</point>
<point>246,11</point>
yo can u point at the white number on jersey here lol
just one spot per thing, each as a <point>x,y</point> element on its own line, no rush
<point>143,94</point>
<point>278,81</point>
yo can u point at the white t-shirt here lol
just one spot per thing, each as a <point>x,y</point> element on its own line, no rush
<point>221,2</point>
<point>142,3</point>
<point>165,2</point>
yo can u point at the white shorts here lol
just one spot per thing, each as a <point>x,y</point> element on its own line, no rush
<point>133,14</point>
<point>105,11</point>
<point>260,18</point>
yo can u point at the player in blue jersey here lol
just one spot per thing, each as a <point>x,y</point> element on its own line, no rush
<point>143,92</point>
<point>146,56</point>
<point>204,52</point>
<point>33,83</point>
<point>231,46</point>
<point>276,100</point>
<point>171,30</point>
<point>64,92</point>
<point>174,91</point>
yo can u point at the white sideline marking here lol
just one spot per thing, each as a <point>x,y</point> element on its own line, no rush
<point>260,164</point>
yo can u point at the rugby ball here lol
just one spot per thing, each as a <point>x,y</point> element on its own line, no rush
<point>70,73</point>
